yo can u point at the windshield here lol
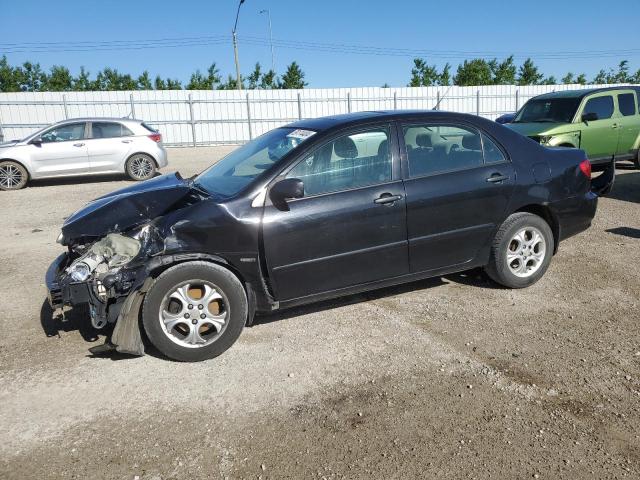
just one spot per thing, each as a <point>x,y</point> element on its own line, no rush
<point>238,169</point>
<point>556,110</point>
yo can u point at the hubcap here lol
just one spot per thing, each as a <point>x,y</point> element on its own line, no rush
<point>10,176</point>
<point>194,314</point>
<point>526,252</point>
<point>141,167</point>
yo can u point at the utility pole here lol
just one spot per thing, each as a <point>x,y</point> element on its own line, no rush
<point>273,57</point>
<point>235,48</point>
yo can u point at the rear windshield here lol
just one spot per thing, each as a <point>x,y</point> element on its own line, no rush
<point>556,110</point>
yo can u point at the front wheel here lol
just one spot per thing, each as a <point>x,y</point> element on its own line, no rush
<point>13,176</point>
<point>521,251</point>
<point>140,166</point>
<point>194,311</point>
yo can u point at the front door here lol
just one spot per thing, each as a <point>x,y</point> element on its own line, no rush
<point>599,138</point>
<point>350,226</point>
<point>63,151</point>
<point>458,185</point>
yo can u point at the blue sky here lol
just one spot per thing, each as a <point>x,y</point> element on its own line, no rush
<point>450,30</point>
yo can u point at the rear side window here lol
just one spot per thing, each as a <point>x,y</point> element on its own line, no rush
<point>601,106</point>
<point>627,104</point>
<point>492,153</point>
<point>437,148</point>
<point>109,130</point>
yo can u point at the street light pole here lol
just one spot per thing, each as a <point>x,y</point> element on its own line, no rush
<point>235,48</point>
<point>273,57</point>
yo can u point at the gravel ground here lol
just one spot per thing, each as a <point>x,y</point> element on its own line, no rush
<point>446,377</point>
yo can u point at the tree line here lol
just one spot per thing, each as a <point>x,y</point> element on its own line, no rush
<point>479,71</point>
<point>30,77</point>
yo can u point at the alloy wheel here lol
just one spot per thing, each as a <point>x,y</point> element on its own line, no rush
<point>140,167</point>
<point>526,252</point>
<point>194,314</point>
<point>10,176</point>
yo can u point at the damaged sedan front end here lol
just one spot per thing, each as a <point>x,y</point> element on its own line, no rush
<point>108,261</point>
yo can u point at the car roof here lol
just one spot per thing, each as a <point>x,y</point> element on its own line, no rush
<point>101,119</point>
<point>326,123</point>
<point>583,92</point>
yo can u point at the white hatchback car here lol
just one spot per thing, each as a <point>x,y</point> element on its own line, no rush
<point>83,146</point>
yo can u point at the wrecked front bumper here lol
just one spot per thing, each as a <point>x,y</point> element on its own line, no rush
<point>114,299</point>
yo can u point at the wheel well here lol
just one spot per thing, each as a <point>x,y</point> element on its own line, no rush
<point>545,213</point>
<point>19,163</point>
<point>567,145</point>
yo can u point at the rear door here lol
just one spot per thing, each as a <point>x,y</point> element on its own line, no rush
<point>599,138</point>
<point>350,226</point>
<point>628,123</point>
<point>63,150</point>
<point>458,184</point>
<point>108,146</point>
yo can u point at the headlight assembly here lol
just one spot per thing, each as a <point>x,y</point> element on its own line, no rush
<point>80,271</point>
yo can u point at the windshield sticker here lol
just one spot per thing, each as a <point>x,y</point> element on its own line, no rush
<point>301,134</point>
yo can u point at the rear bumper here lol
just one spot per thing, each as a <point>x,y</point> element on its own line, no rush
<point>575,214</point>
<point>161,157</point>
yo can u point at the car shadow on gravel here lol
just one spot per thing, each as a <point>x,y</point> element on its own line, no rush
<point>75,319</point>
<point>474,278</point>
<point>626,187</point>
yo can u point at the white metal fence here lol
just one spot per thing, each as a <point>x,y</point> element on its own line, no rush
<point>209,117</point>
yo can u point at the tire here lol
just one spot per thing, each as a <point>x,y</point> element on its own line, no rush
<point>176,325</point>
<point>140,167</point>
<point>13,176</point>
<point>518,258</point>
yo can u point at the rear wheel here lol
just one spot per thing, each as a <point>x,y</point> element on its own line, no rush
<point>521,251</point>
<point>140,166</point>
<point>13,176</point>
<point>194,311</point>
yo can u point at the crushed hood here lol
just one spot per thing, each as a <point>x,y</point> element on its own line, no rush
<point>127,208</point>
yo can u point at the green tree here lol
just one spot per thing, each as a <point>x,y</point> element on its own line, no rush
<point>423,74</point>
<point>9,79</point>
<point>293,78</point>
<point>474,72</point>
<point>59,80</point>
<point>254,77</point>
<point>504,73</point>
<point>528,73</point>
<point>199,81</point>
<point>269,80</point>
<point>568,79</point>
<point>144,82</point>
<point>601,77</point>
<point>551,80</point>
<point>582,79</point>
<point>32,78</point>
<point>230,84</point>
<point>174,84</point>
<point>82,82</point>
<point>445,75</point>
<point>159,83</point>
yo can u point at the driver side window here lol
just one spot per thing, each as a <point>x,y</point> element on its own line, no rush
<point>64,133</point>
<point>347,162</point>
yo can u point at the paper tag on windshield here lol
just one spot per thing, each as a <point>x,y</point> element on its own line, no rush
<point>301,134</point>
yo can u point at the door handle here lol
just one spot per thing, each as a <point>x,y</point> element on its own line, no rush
<point>127,141</point>
<point>387,198</point>
<point>497,178</point>
<point>78,144</point>
<point>615,125</point>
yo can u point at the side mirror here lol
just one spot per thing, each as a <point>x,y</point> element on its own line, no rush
<point>589,117</point>
<point>286,189</point>
<point>36,141</point>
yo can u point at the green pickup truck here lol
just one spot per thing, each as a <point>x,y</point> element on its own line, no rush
<point>604,122</point>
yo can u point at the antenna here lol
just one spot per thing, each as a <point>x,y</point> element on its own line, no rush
<point>435,107</point>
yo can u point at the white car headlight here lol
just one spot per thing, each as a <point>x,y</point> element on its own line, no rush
<point>80,272</point>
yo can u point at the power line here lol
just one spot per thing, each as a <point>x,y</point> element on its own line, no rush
<point>334,48</point>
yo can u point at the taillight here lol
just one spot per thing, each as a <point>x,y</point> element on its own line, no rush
<point>156,137</point>
<point>585,167</point>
